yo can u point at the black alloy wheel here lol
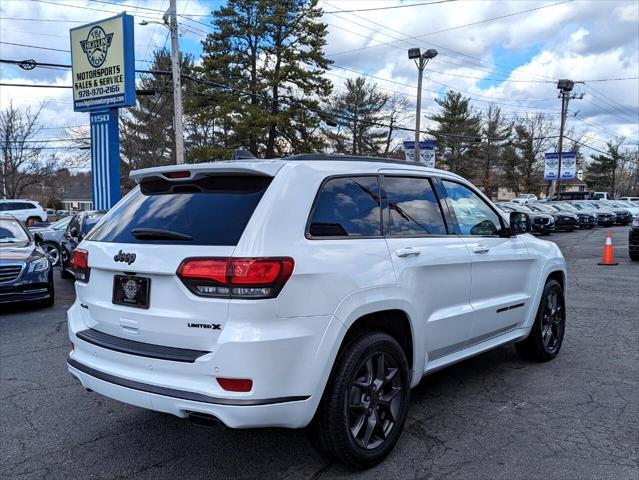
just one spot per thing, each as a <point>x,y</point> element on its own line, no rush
<point>547,333</point>
<point>375,400</point>
<point>365,403</point>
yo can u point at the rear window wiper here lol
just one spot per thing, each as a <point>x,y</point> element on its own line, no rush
<point>158,234</point>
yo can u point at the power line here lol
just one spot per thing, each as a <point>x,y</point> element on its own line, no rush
<point>371,9</point>
<point>456,27</point>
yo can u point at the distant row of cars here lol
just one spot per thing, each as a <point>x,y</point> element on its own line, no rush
<point>28,255</point>
<point>547,217</point>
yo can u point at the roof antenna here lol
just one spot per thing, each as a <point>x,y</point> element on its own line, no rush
<point>242,154</point>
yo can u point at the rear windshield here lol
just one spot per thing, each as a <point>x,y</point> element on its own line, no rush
<point>211,210</point>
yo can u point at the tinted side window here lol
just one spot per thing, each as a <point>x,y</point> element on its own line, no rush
<point>27,206</point>
<point>413,207</point>
<point>347,207</point>
<point>474,216</point>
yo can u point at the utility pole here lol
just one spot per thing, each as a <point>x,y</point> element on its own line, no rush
<point>421,59</point>
<point>177,84</point>
<point>564,86</point>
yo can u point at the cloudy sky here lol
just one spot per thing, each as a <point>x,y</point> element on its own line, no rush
<point>507,53</point>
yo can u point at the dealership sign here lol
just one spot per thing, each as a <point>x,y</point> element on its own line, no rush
<point>103,68</point>
<point>426,152</point>
<point>103,64</point>
<point>568,166</point>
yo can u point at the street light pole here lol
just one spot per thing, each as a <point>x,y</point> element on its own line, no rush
<point>421,59</point>
<point>177,85</point>
<point>564,86</point>
<point>418,112</point>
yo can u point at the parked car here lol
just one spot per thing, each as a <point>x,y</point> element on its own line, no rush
<point>542,223</point>
<point>52,238</point>
<point>633,240</point>
<point>79,225</point>
<point>605,217</point>
<point>586,219</point>
<point>622,215</point>
<point>292,293</point>
<point>524,198</point>
<point>27,211</point>
<point>564,220</point>
<point>600,196</point>
<point>26,275</point>
<point>633,208</point>
<point>630,199</point>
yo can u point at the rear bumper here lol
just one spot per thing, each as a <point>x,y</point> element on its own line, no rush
<point>281,412</point>
<point>288,363</point>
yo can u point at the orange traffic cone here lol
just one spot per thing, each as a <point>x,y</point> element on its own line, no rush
<point>608,257</point>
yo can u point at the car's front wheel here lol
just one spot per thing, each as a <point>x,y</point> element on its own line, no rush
<point>547,333</point>
<point>362,412</point>
<point>52,251</point>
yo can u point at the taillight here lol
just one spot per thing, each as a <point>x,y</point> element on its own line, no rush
<point>235,384</point>
<point>80,264</point>
<point>236,277</point>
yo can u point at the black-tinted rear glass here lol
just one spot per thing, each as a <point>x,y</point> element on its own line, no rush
<point>347,207</point>
<point>212,210</point>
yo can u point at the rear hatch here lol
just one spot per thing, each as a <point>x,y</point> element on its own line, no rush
<point>133,290</point>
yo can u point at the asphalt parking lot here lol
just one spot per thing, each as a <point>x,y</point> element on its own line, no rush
<point>494,416</point>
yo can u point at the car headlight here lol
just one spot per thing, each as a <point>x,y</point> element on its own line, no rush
<point>39,265</point>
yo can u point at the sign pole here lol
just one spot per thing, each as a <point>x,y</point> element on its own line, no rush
<point>105,158</point>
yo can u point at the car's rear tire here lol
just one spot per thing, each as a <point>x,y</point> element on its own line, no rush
<point>547,333</point>
<point>32,220</point>
<point>362,412</point>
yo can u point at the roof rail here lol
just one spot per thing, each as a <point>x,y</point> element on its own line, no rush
<point>350,158</point>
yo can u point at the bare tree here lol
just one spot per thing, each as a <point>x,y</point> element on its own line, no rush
<point>23,161</point>
<point>396,114</point>
<point>535,134</point>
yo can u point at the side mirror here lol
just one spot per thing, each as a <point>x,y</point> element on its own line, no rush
<point>38,237</point>
<point>74,232</point>
<point>519,223</point>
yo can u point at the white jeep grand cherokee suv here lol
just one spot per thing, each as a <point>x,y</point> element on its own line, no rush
<point>308,291</point>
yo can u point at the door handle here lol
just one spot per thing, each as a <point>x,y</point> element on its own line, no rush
<point>407,252</point>
<point>480,249</point>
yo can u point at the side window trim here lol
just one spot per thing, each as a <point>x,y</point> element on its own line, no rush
<point>454,216</point>
<point>307,228</point>
<point>385,207</point>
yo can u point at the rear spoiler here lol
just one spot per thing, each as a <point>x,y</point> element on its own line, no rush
<point>190,171</point>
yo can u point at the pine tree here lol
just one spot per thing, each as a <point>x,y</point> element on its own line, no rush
<point>147,136</point>
<point>495,136</point>
<point>270,56</point>
<point>602,174</point>
<point>358,111</point>
<point>457,134</point>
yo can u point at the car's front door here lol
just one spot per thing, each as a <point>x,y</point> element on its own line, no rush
<point>499,293</point>
<point>432,263</point>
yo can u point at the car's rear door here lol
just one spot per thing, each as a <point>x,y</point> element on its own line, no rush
<point>501,263</point>
<point>137,248</point>
<point>431,262</point>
